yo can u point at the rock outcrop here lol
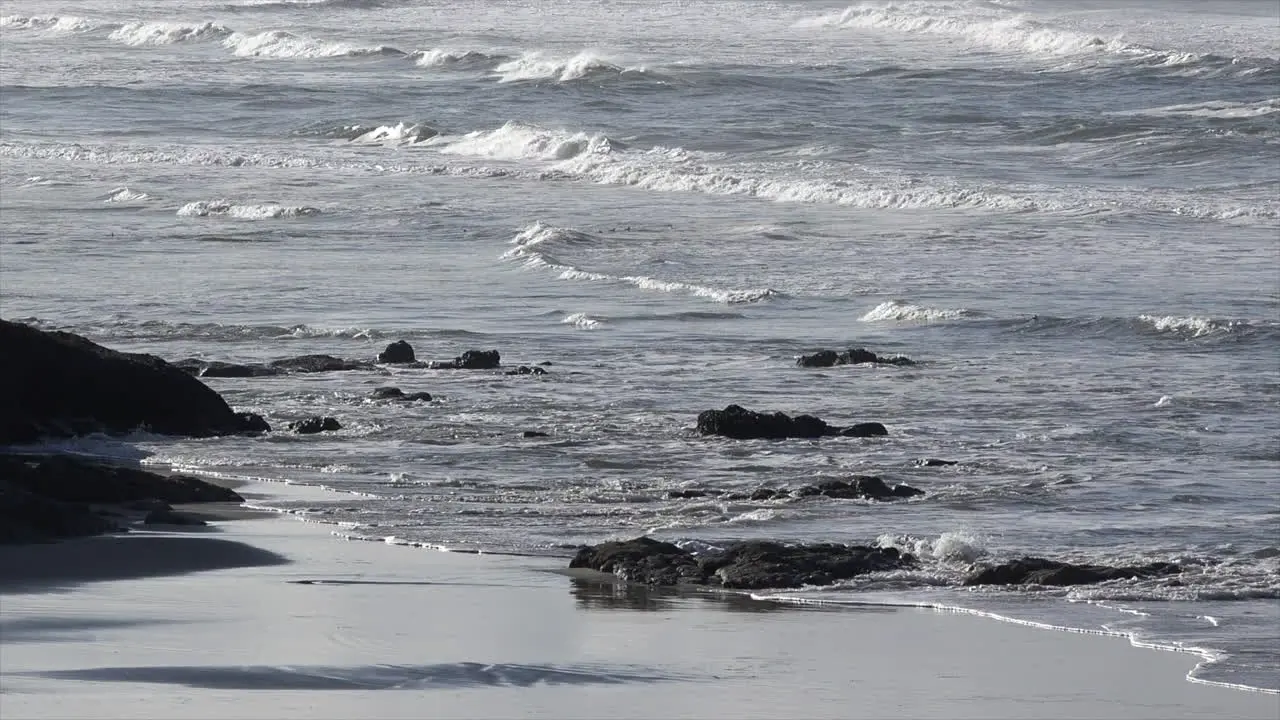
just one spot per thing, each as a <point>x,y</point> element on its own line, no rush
<point>526,370</point>
<point>318,364</point>
<point>1041,571</point>
<point>56,384</point>
<point>395,393</point>
<point>313,425</point>
<point>860,487</point>
<point>471,360</point>
<point>752,564</point>
<point>737,422</point>
<point>829,358</point>
<point>397,353</point>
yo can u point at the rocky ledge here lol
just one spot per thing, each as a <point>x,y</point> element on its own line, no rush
<point>748,565</point>
<point>47,497</point>
<point>739,423</point>
<point>56,384</point>
<point>1041,571</point>
<point>858,356</point>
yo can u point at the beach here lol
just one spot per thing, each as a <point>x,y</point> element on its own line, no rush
<point>275,617</point>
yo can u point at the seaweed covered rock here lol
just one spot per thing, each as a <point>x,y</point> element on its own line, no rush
<point>830,358</point>
<point>57,384</point>
<point>1041,571</point>
<point>753,564</point>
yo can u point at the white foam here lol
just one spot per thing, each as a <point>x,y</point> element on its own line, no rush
<point>1220,109</point>
<point>282,44</point>
<point>168,33</point>
<point>542,66</point>
<point>50,23</point>
<point>125,195</point>
<point>1189,326</point>
<point>402,133</point>
<point>899,311</point>
<point>581,321</point>
<point>520,141</point>
<point>208,208</point>
<point>951,547</point>
<point>1164,401</point>
<point>440,57</point>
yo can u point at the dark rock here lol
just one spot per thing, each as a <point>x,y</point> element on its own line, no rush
<point>534,434</point>
<point>685,494</point>
<point>70,479</point>
<point>868,429</point>
<point>27,517</point>
<point>59,384</point>
<point>253,423</point>
<point>396,353</point>
<point>860,487</point>
<point>395,393</point>
<point>313,425</point>
<point>317,363</point>
<point>545,363</point>
<point>169,517</point>
<point>737,422</point>
<point>747,565</point>
<point>526,370</point>
<point>148,505</point>
<point>765,493</point>
<point>829,358</point>
<point>1041,571</point>
<point>471,360</point>
<point>934,462</point>
<point>216,368</point>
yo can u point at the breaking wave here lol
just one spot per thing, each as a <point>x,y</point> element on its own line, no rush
<point>165,33</point>
<point>268,211</point>
<point>125,195</point>
<point>1190,326</point>
<point>282,44</point>
<point>520,141</point>
<point>899,311</point>
<point>582,321</point>
<point>541,66</point>
<point>452,58</point>
<point>533,245</point>
<point>49,23</point>
<point>1218,109</point>
<point>401,133</point>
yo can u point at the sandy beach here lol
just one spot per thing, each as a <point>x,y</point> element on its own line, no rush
<point>262,615</point>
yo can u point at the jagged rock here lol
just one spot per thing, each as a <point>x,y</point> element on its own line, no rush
<point>829,358</point>
<point>1041,571</point>
<point>685,494</point>
<point>70,479</point>
<point>526,370</point>
<point>169,517</point>
<point>397,352</point>
<point>534,434</point>
<point>317,363</point>
<point>59,384</point>
<point>860,487</point>
<point>752,564</point>
<point>737,422</point>
<point>395,393</point>
<point>313,425</point>
<point>471,360</point>
<point>934,462</point>
<point>867,429</point>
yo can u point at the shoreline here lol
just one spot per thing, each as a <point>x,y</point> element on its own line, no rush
<point>783,659</point>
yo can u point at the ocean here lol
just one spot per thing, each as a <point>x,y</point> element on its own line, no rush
<point>1065,211</point>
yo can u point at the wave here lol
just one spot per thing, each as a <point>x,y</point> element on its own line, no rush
<point>125,195</point>
<point>899,311</point>
<point>532,246</point>
<point>50,23</point>
<point>1217,109</point>
<point>582,321</point>
<point>163,330</point>
<point>282,44</point>
<point>1200,329</point>
<point>1000,29</point>
<point>541,66</point>
<point>401,133</point>
<point>307,4</point>
<point>453,58</point>
<point>211,208</point>
<point>1191,326</point>
<point>167,33</point>
<point>520,141</point>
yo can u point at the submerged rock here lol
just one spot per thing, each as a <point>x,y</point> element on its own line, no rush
<point>686,494</point>
<point>752,564</point>
<point>471,360</point>
<point>934,462</point>
<point>216,368</point>
<point>829,358</point>
<point>56,384</point>
<point>313,425</point>
<point>860,487</point>
<point>398,352</point>
<point>737,422</point>
<point>526,370</point>
<point>534,434</point>
<point>317,363</point>
<point>1041,571</point>
<point>395,393</point>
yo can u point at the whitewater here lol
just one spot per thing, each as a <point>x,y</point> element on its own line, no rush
<point>1066,212</point>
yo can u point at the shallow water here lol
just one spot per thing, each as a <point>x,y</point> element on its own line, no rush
<point>1065,211</point>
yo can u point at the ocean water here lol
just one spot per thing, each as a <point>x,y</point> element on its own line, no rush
<point>1066,211</point>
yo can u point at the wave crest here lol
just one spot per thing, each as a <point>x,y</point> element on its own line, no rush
<point>899,311</point>
<point>50,23</point>
<point>267,211</point>
<point>1190,326</point>
<point>165,33</point>
<point>520,141</point>
<point>282,44</point>
<point>541,66</point>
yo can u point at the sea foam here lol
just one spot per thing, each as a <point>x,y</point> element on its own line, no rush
<point>267,211</point>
